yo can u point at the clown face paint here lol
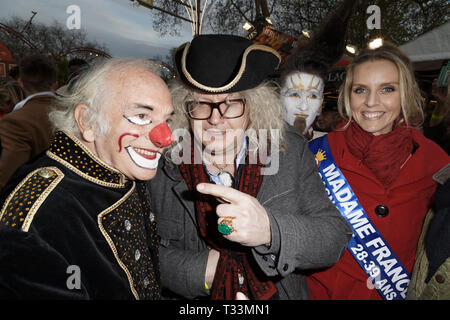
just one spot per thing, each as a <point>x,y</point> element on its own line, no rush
<point>160,136</point>
<point>140,103</point>
<point>302,96</point>
<point>144,158</point>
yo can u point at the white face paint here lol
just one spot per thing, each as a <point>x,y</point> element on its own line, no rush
<point>146,159</point>
<point>302,95</point>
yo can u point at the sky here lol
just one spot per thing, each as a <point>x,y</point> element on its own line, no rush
<point>126,30</point>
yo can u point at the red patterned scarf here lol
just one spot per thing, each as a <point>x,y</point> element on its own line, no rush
<point>384,154</point>
<point>234,259</point>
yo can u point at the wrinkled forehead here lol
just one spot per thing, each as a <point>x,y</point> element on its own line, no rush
<point>139,86</point>
<point>303,81</point>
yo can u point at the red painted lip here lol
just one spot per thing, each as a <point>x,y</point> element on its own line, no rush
<point>146,156</point>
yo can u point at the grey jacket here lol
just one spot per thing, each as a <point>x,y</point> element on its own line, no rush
<point>308,232</point>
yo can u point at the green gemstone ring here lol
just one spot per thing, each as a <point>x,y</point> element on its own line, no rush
<point>226,227</point>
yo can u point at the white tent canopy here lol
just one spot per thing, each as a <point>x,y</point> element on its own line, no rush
<point>433,45</point>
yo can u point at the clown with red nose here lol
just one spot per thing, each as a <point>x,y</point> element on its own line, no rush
<point>160,136</point>
<point>80,213</point>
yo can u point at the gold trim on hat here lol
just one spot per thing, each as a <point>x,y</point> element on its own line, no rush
<point>239,74</point>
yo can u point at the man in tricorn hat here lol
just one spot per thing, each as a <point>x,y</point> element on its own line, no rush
<point>239,204</point>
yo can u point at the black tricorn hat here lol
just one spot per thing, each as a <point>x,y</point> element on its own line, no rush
<point>225,63</point>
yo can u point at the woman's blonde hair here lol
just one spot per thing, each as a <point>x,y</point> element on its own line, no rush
<point>262,102</point>
<point>410,98</point>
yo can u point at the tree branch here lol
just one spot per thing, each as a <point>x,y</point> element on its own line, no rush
<point>239,10</point>
<point>144,4</point>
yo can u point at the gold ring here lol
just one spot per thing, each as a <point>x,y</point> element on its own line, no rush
<point>226,226</point>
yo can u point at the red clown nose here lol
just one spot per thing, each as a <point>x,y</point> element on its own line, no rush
<point>161,136</point>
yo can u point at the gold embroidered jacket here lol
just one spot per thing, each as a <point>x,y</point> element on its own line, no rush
<point>71,227</point>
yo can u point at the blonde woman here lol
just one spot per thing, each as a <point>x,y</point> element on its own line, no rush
<point>389,166</point>
<point>239,205</point>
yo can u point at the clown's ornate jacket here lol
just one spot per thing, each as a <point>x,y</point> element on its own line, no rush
<point>71,227</point>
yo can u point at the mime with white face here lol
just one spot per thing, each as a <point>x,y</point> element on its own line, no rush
<point>302,97</point>
<point>306,69</point>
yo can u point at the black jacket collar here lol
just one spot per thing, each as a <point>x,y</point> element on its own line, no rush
<point>70,151</point>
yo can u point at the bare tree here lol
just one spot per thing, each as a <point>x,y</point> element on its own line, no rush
<point>401,20</point>
<point>51,39</point>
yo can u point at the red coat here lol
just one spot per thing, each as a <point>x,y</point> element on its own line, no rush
<point>408,200</point>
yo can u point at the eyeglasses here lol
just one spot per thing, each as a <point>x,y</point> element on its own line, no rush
<point>228,109</point>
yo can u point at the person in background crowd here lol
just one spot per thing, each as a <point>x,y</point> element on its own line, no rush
<point>389,166</point>
<point>431,274</point>
<point>328,119</point>
<point>10,94</point>
<point>244,210</point>
<point>26,132</point>
<point>37,77</point>
<point>13,73</point>
<point>76,223</point>
<point>437,125</point>
<point>306,70</point>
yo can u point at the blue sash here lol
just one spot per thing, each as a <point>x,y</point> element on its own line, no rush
<point>385,271</point>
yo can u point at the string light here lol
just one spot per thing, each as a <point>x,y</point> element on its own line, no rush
<point>375,43</point>
<point>247,26</point>
<point>269,21</point>
<point>350,48</point>
<point>306,33</point>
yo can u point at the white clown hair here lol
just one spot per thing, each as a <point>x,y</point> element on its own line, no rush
<point>92,89</point>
